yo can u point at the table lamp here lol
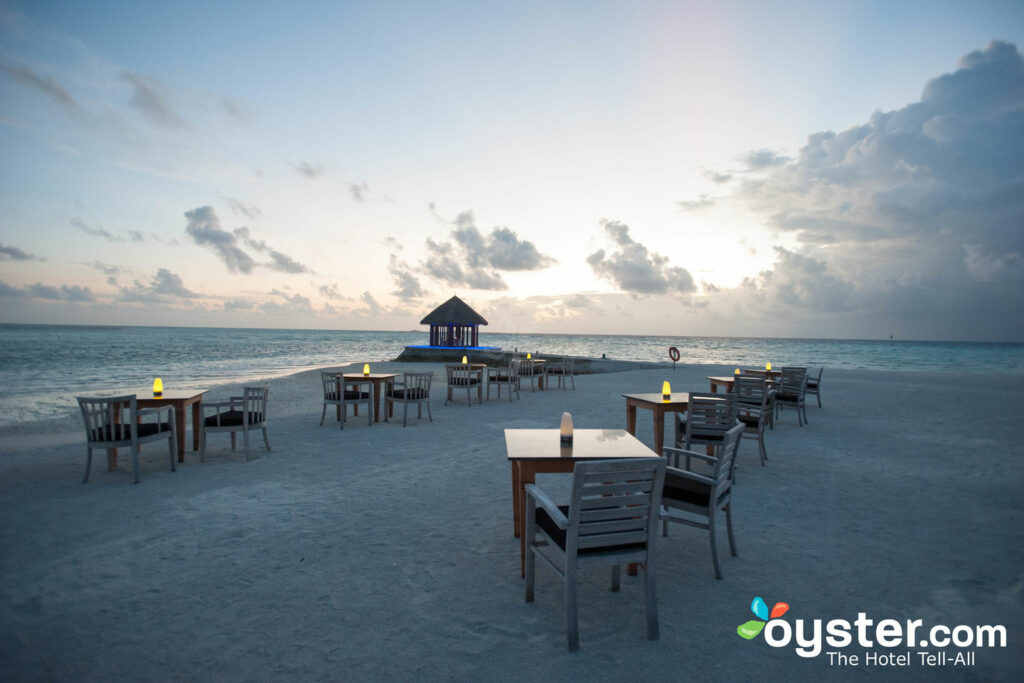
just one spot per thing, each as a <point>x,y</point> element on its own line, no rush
<point>158,388</point>
<point>736,371</point>
<point>465,361</point>
<point>366,369</point>
<point>666,392</point>
<point>768,367</point>
<point>529,356</point>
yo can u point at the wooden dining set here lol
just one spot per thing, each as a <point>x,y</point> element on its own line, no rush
<point>621,489</point>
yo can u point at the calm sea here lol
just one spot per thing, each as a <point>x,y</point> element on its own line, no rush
<point>43,367</point>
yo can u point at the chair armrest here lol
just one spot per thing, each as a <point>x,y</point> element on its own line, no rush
<point>676,452</point>
<point>692,476</point>
<point>549,506</point>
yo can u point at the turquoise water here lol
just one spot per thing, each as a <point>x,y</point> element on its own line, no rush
<point>43,367</point>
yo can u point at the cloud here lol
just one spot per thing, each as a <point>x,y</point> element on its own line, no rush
<point>73,293</point>
<point>702,201</point>
<point>474,259</point>
<point>406,284</point>
<point>282,263</point>
<point>204,229</point>
<point>25,76</point>
<point>110,271</point>
<point>308,170</point>
<point>164,287</point>
<point>148,99</point>
<point>239,207</point>
<point>718,178</point>
<point>632,268</point>
<point>238,305</point>
<point>330,292</point>
<point>14,254</point>
<point>132,235</point>
<point>359,191</point>
<point>290,304</point>
<point>764,158</point>
<point>913,218</point>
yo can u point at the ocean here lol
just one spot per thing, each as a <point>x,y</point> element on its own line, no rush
<point>43,367</point>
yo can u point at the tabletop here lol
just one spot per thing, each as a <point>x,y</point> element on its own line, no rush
<point>545,444</point>
<point>676,398</point>
<point>168,394</point>
<point>372,375</point>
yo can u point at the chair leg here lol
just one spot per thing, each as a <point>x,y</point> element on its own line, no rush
<point>616,575</point>
<point>323,414</point>
<point>405,413</point>
<point>245,441</point>
<point>369,413</point>
<point>760,443</point>
<point>728,525</point>
<point>429,414</point>
<point>88,464</point>
<point>172,446</point>
<point>135,464</point>
<point>572,627</point>
<point>202,445</point>
<point>232,441</point>
<point>650,601</point>
<point>714,547</point>
<point>266,441</point>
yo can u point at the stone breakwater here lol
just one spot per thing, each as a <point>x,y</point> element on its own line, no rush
<point>495,358</point>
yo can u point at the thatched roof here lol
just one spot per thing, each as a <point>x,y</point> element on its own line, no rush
<point>455,311</point>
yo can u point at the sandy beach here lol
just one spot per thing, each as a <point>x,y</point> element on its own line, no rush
<point>387,553</point>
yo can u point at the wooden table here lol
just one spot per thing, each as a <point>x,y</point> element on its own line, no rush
<point>727,382</point>
<point>678,403</point>
<point>180,399</point>
<point>539,451</point>
<point>378,379</point>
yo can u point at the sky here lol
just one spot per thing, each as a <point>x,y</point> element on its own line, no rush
<point>775,169</point>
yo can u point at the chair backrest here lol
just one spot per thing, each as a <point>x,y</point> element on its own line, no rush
<point>725,467</point>
<point>821,371</point>
<point>710,414</point>
<point>417,384</point>
<point>793,380</point>
<point>754,372</point>
<point>515,366</point>
<point>615,503</point>
<point>751,390</point>
<point>108,418</point>
<point>567,364</point>
<point>330,381</point>
<point>254,401</point>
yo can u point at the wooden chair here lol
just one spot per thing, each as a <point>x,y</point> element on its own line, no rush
<point>353,393</point>
<point>563,371</point>
<point>243,413</point>
<point>460,376</point>
<point>814,385</point>
<point>508,376</point>
<point>693,499</point>
<point>611,520</point>
<point>791,392</point>
<point>533,372</point>
<point>414,388</point>
<point>752,409</point>
<point>117,421</point>
<point>708,417</point>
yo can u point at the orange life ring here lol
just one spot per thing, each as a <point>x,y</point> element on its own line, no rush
<point>673,353</point>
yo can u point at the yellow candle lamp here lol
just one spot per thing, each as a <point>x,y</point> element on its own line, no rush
<point>465,361</point>
<point>158,388</point>
<point>666,391</point>
<point>529,356</point>
<point>736,371</point>
<point>768,367</point>
<point>366,369</point>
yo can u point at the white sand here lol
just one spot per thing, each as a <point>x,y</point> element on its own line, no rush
<point>383,553</point>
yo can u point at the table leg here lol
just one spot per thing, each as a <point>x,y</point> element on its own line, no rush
<point>376,401</point>
<point>516,500</point>
<point>631,419</point>
<point>659,430</point>
<point>527,475</point>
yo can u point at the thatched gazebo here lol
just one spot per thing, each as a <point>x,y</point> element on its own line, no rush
<point>454,324</point>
